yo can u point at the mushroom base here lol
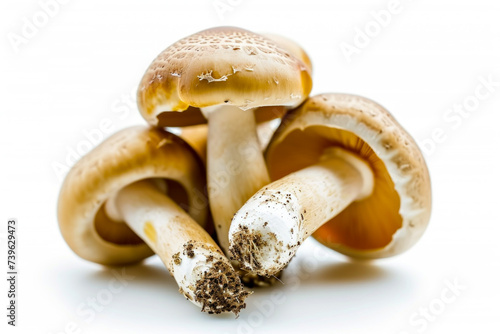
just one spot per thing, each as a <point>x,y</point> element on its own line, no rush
<point>252,280</point>
<point>206,278</point>
<point>204,275</point>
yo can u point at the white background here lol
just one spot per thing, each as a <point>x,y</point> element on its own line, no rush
<point>83,65</point>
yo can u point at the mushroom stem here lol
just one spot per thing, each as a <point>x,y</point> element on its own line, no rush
<point>267,231</point>
<point>186,249</point>
<point>265,132</point>
<point>235,164</point>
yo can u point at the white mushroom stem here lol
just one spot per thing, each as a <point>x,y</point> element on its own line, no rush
<point>265,132</point>
<point>235,164</point>
<point>268,229</point>
<point>186,249</point>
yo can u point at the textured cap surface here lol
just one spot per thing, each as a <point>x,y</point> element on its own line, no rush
<point>291,46</point>
<point>218,66</point>
<point>394,217</point>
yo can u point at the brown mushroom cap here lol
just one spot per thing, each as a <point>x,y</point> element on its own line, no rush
<point>221,66</point>
<point>394,217</point>
<point>128,156</point>
<point>291,46</point>
<point>264,114</point>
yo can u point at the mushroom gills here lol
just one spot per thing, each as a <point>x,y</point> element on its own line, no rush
<point>185,248</point>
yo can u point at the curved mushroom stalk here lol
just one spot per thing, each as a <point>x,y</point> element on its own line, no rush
<point>203,273</point>
<point>235,165</point>
<point>267,231</point>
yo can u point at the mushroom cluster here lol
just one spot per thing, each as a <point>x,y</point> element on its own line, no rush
<point>255,159</point>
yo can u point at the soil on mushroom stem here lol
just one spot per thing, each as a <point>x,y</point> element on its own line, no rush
<point>252,280</point>
<point>247,246</point>
<point>244,246</point>
<point>219,288</point>
<point>188,250</point>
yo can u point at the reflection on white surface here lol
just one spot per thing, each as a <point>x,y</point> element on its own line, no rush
<point>317,285</point>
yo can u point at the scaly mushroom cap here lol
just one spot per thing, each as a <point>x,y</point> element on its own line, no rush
<point>291,46</point>
<point>221,66</point>
<point>128,156</point>
<point>394,217</point>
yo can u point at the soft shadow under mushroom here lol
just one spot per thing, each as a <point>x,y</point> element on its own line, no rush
<point>142,273</point>
<point>346,272</point>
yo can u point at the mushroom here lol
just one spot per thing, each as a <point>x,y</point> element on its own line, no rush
<point>230,78</point>
<point>345,170</point>
<point>137,194</point>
